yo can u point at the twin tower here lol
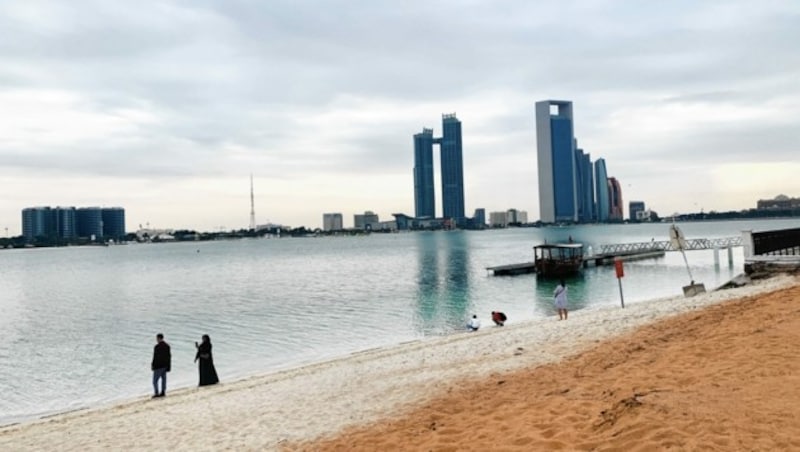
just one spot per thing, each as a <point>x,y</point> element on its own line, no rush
<point>452,168</point>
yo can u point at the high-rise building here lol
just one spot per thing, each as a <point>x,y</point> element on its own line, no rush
<point>452,171</point>
<point>89,222</point>
<point>366,220</point>
<point>113,222</point>
<point>479,218</point>
<point>67,223</point>
<point>424,193</point>
<point>635,210</point>
<point>498,219</point>
<point>615,200</point>
<point>332,222</point>
<point>584,179</point>
<point>601,191</point>
<point>37,222</point>
<point>555,141</point>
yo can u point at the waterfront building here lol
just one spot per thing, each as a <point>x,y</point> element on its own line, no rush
<point>778,202</point>
<point>514,216</point>
<point>332,222</point>
<point>498,219</point>
<point>555,142</point>
<point>65,222</point>
<point>90,222</point>
<point>452,171</point>
<point>36,222</point>
<point>69,223</point>
<point>367,220</point>
<point>479,218</point>
<point>601,190</point>
<point>615,200</point>
<point>113,222</point>
<point>636,210</point>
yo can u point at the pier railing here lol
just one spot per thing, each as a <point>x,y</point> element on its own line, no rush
<point>666,245</point>
<point>777,243</point>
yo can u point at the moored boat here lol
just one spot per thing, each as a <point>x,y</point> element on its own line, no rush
<point>558,259</point>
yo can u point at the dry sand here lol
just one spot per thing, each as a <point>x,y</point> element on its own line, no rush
<point>724,378</point>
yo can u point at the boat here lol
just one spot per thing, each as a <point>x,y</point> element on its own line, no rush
<point>558,259</point>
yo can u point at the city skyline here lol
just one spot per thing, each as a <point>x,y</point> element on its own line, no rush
<point>168,108</point>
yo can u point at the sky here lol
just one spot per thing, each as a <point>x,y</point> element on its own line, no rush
<point>167,108</point>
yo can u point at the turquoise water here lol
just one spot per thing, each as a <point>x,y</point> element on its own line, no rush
<point>79,323</point>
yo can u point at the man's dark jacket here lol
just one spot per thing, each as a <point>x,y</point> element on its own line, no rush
<point>162,357</point>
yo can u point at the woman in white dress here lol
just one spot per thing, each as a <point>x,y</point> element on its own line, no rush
<point>560,296</point>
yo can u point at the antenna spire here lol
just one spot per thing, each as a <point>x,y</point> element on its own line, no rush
<point>252,206</point>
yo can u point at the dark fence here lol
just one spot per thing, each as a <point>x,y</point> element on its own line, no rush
<point>777,243</point>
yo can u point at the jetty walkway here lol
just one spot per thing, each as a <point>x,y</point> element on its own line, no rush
<point>607,254</point>
<point>666,245</point>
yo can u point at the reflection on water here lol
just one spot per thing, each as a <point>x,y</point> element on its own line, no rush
<point>443,271</point>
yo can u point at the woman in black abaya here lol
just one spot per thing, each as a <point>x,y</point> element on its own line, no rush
<point>208,374</point>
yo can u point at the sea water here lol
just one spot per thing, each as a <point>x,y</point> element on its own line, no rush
<point>78,323</point>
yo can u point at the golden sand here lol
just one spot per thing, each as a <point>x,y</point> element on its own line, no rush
<point>724,378</point>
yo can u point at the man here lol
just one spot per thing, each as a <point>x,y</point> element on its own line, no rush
<point>162,363</point>
<point>474,323</point>
<point>499,318</point>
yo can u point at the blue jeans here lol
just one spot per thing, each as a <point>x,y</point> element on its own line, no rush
<point>160,374</point>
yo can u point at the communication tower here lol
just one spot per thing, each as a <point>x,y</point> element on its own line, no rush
<point>252,206</point>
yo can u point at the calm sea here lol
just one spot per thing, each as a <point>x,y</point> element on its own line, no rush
<point>78,324</point>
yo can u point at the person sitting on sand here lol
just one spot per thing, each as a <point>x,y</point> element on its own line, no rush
<point>474,323</point>
<point>498,318</point>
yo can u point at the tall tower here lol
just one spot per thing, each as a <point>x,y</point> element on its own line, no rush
<point>601,190</point>
<point>424,197</point>
<point>252,206</point>
<point>615,199</point>
<point>452,169</point>
<point>555,142</point>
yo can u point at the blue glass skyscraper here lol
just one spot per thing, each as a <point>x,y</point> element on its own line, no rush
<point>601,190</point>
<point>452,171</point>
<point>555,140</point>
<point>585,186</point>
<point>424,197</point>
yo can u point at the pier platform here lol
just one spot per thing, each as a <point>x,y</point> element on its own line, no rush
<point>513,269</point>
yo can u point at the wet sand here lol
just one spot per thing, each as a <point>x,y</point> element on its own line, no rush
<point>725,378</point>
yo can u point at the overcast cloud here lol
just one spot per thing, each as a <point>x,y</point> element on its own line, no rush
<point>166,108</point>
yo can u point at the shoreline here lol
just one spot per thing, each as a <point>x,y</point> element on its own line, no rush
<point>268,410</point>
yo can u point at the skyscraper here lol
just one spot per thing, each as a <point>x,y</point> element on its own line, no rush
<point>452,171</point>
<point>113,222</point>
<point>67,223</point>
<point>424,197</point>
<point>615,199</point>
<point>90,222</point>
<point>555,141</point>
<point>584,179</point>
<point>601,190</point>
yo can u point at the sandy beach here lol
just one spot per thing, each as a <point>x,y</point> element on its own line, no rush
<point>717,371</point>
